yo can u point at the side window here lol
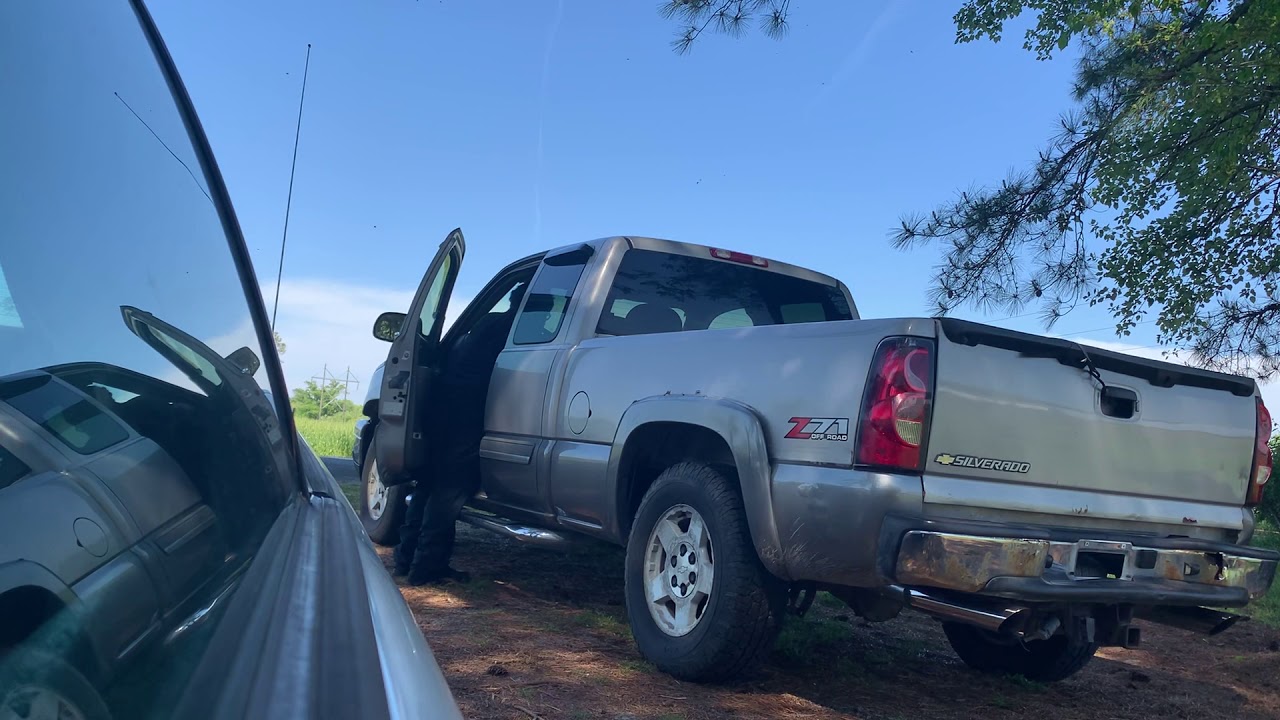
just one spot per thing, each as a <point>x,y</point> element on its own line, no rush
<point>544,309</point>
<point>11,468</point>
<point>64,413</point>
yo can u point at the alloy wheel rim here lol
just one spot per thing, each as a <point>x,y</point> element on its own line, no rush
<point>37,702</point>
<point>375,492</point>
<point>679,571</point>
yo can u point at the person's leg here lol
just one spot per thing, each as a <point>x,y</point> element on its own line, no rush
<point>411,530</point>
<point>458,484</point>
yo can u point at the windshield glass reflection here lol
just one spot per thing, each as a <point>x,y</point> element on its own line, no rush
<point>140,460</point>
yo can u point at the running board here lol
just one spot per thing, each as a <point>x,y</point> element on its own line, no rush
<point>520,533</point>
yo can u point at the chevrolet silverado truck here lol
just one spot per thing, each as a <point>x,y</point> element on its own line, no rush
<point>750,440</point>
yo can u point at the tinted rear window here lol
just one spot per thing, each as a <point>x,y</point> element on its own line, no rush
<point>657,292</point>
<point>63,413</point>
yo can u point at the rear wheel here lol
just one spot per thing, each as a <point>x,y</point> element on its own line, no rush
<point>36,685</point>
<point>382,507</point>
<point>1057,658</point>
<point>701,605</point>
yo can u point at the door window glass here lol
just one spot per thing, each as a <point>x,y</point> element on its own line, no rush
<point>545,307</point>
<point>431,306</point>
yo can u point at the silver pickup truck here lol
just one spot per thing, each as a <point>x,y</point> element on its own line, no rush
<point>750,440</point>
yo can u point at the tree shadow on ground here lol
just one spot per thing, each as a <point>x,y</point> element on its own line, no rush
<point>544,634</point>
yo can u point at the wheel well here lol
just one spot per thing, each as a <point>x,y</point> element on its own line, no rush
<point>654,447</point>
<point>29,609</point>
<point>25,609</point>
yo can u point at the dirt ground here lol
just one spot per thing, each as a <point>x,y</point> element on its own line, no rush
<point>541,634</point>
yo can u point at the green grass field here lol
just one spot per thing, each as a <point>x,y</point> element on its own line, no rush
<point>329,436</point>
<point>1267,609</point>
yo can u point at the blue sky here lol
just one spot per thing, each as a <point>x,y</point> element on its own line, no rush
<point>535,124</point>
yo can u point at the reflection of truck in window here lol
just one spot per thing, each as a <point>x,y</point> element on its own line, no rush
<point>118,500</point>
<point>104,523</point>
<point>750,440</point>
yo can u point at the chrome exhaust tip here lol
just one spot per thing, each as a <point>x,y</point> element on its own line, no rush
<point>1195,619</point>
<point>995,618</point>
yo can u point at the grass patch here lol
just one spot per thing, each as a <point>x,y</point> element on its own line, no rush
<point>1025,684</point>
<point>829,601</point>
<point>800,639</point>
<point>640,666</point>
<point>353,495</point>
<point>596,620</point>
<point>1267,609</point>
<point>333,436</point>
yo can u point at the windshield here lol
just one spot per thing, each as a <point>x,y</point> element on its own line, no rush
<point>135,485</point>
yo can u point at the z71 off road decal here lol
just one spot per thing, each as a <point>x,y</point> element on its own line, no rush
<point>834,429</point>
<point>977,463</point>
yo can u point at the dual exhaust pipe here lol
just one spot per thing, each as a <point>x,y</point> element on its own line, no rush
<point>1003,618</point>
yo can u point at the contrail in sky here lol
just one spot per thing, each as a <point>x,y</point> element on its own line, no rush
<point>542,110</point>
<point>855,57</point>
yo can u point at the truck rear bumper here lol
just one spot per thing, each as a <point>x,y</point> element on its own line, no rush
<point>856,528</point>
<point>1085,571</point>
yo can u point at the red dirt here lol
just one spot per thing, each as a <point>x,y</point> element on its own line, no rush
<point>539,634</point>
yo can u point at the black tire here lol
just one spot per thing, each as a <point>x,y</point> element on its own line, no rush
<point>743,612</point>
<point>1057,658</point>
<point>25,672</point>
<point>385,529</point>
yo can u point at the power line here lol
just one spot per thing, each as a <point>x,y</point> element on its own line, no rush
<point>1108,327</point>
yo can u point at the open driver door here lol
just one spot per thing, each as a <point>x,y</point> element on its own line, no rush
<point>402,437</point>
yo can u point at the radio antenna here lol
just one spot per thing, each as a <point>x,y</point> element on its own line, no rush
<point>297,134</point>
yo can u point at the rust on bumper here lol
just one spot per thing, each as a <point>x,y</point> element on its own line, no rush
<point>968,563</point>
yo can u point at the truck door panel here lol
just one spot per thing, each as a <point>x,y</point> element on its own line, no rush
<point>513,428</point>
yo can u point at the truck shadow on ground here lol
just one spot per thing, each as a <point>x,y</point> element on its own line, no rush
<point>542,634</point>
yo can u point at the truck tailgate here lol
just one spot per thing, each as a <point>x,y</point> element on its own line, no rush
<point>1024,410</point>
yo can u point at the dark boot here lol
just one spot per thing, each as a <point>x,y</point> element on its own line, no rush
<point>419,577</point>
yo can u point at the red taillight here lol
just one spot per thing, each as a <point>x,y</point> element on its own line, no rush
<point>1261,457</point>
<point>738,257</point>
<point>895,407</point>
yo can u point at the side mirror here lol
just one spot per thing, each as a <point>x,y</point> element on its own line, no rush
<point>387,326</point>
<point>245,360</point>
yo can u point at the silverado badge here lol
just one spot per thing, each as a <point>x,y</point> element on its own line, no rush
<point>977,463</point>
